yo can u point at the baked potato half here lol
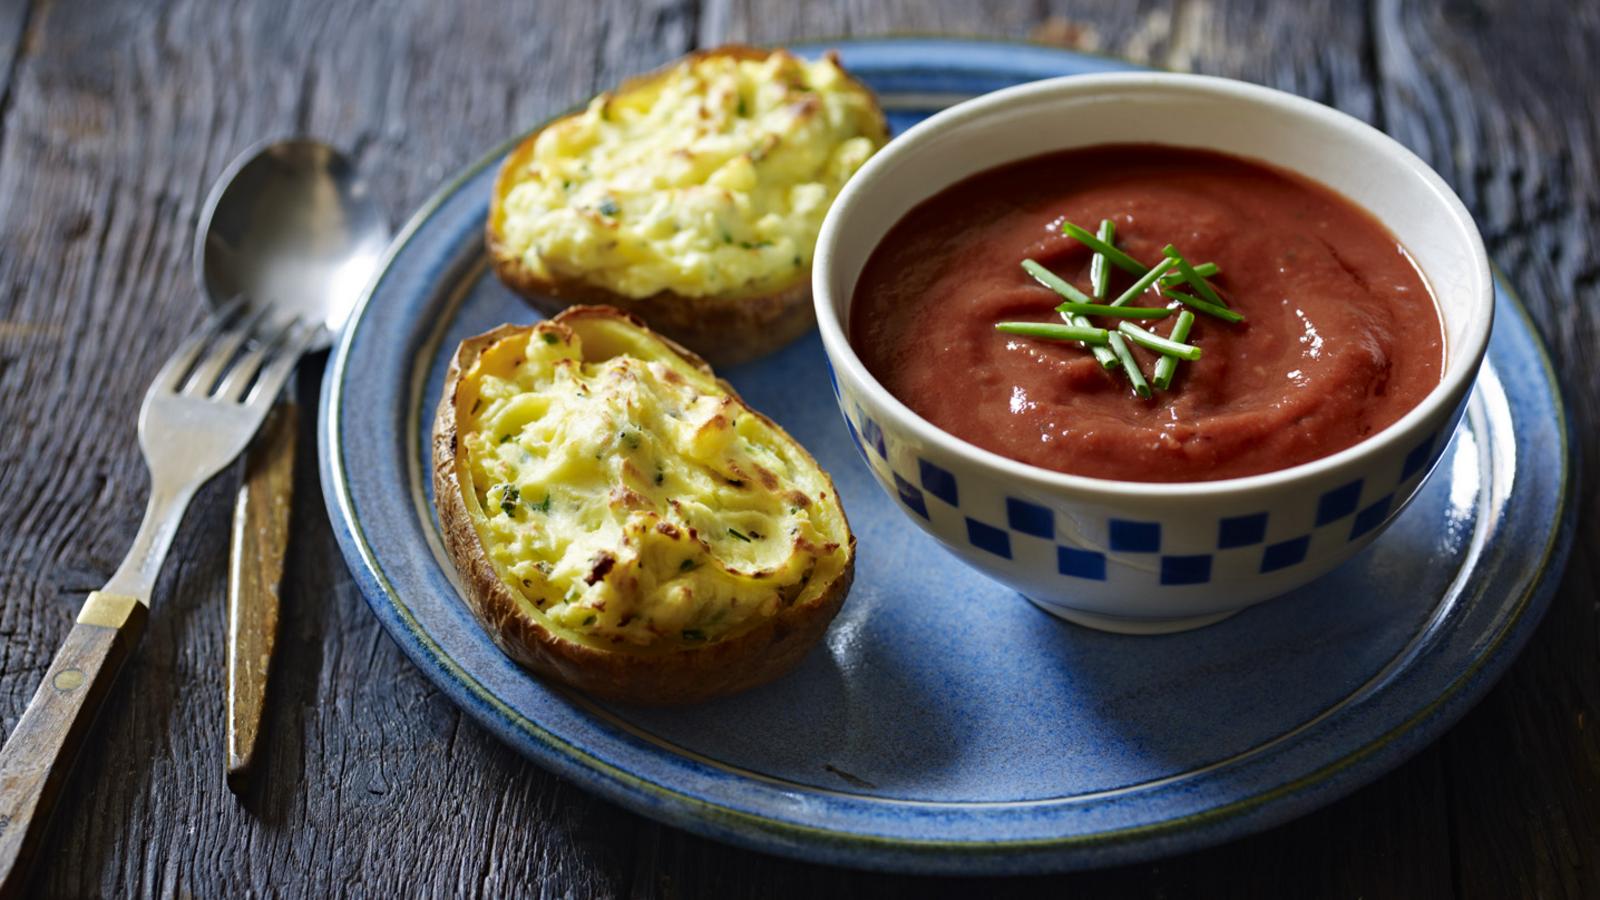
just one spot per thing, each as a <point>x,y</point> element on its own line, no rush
<point>690,197</point>
<point>622,522</point>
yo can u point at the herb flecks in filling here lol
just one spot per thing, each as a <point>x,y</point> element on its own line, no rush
<point>639,503</point>
<point>711,178</point>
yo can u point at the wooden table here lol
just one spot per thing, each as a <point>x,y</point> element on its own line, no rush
<point>115,116</point>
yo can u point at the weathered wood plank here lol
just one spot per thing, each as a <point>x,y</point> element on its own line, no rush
<point>121,113</point>
<point>1488,94</point>
<point>14,19</point>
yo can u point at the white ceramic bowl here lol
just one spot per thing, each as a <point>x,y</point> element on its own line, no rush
<point>1145,557</point>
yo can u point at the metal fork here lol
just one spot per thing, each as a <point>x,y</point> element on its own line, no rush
<point>197,416</point>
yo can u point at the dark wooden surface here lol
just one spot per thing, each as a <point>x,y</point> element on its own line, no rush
<point>115,115</point>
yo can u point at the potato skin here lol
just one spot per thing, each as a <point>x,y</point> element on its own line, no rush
<point>672,676</point>
<point>724,329</point>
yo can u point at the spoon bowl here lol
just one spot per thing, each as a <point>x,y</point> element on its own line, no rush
<point>293,229</point>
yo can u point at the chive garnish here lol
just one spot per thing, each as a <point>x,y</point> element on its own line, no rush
<point>1172,272</point>
<point>1201,286</point>
<point>1103,355</point>
<point>1099,272</point>
<point>1195,303</point>
<point>1144,282</point>
<point>734,532</point>
<point>1158,343</point>
<point>1129,365</point>
<point>1055,282</point>
<point>1099,280</point>
<point>1112,254</point>
<point>1204,270</point>
<point>1167,366</point>
<point>1053,332</point>
<point>508,499</point>
<point>1121,312</point>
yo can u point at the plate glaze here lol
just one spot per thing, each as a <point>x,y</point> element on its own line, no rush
<point>945,724</point>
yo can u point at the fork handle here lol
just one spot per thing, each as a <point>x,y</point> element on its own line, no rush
<point>40,750</point>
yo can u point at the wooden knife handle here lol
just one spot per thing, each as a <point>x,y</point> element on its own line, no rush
<point>39,752</point>
<point>260,540</point>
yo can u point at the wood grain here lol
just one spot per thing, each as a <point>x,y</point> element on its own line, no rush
<point>40,750</point>
<point>255,558</point>
<point>116,115</point>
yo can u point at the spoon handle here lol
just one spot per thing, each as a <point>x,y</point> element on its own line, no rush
<point>260,541</point>
<point>41,748</point>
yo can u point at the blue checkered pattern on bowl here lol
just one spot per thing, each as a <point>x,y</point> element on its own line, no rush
<point>1345,513</point>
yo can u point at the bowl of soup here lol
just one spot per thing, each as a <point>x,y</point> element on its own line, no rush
<point>1150,348</point>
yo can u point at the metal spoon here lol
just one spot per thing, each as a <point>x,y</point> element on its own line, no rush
<point>292,229</point>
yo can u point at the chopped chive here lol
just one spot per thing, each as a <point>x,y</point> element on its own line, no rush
<point>1144,282</point>
<point>1204,270</point>
<point>551,338</point>
<point>1112,254</point>
<point>1167,366</point>
<point>734,532</point>
<point>1102,355</point>
<point>1100,279</point>
<point>508,499</point>
<point>1054,282</point>
<point>1158,343</point>
<point>1121,312</point>
<point>1200,285</point>
<point>1053,332</point>
<point>1195,303</point>
<point>1099,272</point>
<point>1129,365</point>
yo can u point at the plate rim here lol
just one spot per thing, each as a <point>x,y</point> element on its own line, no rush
<point>1276,804</point>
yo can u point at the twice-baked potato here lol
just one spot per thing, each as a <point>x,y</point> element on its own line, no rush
<point>622,522</point>
<point>690,197</point>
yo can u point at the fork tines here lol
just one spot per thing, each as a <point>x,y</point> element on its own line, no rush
<point>237,356</point>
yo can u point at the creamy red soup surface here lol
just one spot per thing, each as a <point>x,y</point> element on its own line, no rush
<point>1341,336</point>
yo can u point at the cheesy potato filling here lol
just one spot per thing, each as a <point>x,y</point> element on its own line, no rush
<point>624,496</point>
<point>712,179</point>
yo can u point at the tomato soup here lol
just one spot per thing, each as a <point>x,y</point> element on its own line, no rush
<point>1340,336</point>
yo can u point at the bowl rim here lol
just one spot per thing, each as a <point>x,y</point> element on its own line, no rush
<point>1467,353</point>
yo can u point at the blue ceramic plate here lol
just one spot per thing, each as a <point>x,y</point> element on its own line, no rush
<point>945,724</point>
